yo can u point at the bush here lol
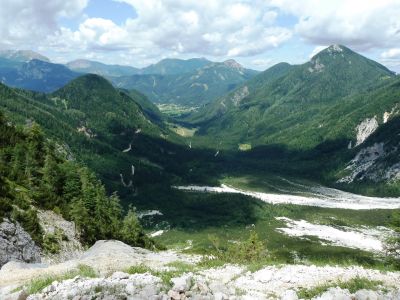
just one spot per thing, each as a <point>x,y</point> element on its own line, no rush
<point>249,251</point>
<point>51,243</point>
<point>5,208</point>
<point>132,232</point>
<point>30,222</point>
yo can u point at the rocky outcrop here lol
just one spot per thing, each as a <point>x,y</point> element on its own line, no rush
<point>117,286</point>
<point>316,66</point>
<point>16,244</point>
<point>108,258</point>
<point>66,234</point>
<point>239,95</point>
<point>372,164</point>
<point>104,256</point>
<point>365,129</point>
<point>362,162</point>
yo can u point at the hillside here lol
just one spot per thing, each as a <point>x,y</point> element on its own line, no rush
<point>288,104</point>
<point>193,88</point>
<point>97,123</point>
<point>376,162</point>
<point>37,173</point>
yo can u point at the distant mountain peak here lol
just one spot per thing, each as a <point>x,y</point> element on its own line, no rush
<point>79,63</point>
<point>335,48</point>
<point>231,63</point>
<point>22,55</point>
<point>333,51</point>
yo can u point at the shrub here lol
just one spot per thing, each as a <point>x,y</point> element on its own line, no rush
<point>249,251</point>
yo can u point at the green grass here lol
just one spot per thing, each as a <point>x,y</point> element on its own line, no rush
<point>138,269</point>
<point>175,110</point>
<point>38,284</point>
<point>177,269</point>
<point>182,131</point>
<point>353,285</point>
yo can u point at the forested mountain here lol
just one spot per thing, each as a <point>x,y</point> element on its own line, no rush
<point>97,123</point>
<point>120,137</point>
<point>147,106</point>
<point>94,67</point>
<point>173,66</point>
<point>290,104</point>
<point>193,88</point>
<point>36,75</point>
<point>105,110</point>
<point>37,173</point>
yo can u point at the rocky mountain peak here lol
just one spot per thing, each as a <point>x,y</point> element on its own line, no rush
<point>231,63</point>
<point>22,55</point>
<point>332,52</point>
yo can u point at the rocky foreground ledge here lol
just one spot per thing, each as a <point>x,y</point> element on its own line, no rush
<point>108,258</point>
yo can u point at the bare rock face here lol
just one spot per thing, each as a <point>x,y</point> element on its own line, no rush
<point>365,129</point>
<point>16,244</point>
<point>372,163</point>
<point>70,246</point>
<point>240,95</point>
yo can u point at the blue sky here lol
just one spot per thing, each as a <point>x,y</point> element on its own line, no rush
<point>256,33</point>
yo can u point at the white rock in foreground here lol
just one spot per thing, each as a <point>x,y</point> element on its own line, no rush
<point>104,257</point>
<point>228,282</point>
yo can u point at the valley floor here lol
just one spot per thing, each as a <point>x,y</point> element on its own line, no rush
<point>317,196</point>
<point>297,221</point>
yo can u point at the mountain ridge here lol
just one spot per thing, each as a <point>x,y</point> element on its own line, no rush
<point>271,106</point>
<point>22,55</point>
<point>195,88</point>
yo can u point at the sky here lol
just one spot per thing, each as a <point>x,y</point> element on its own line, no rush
<point>256,33</point>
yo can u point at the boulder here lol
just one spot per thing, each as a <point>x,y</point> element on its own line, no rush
<point>16,244</point>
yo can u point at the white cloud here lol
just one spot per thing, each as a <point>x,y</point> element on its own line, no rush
<point>23,22</point>
<point>217,29</point>
<point>261,63</point>
<point>214,28</point>
<point>357,23</point>
<point>391,53</point>
<point>316,50</point>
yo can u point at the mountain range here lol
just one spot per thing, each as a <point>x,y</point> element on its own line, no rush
<point>35,75</point>
<point>191,82</point>
<point>192,88</point>
<point>327,107</point>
